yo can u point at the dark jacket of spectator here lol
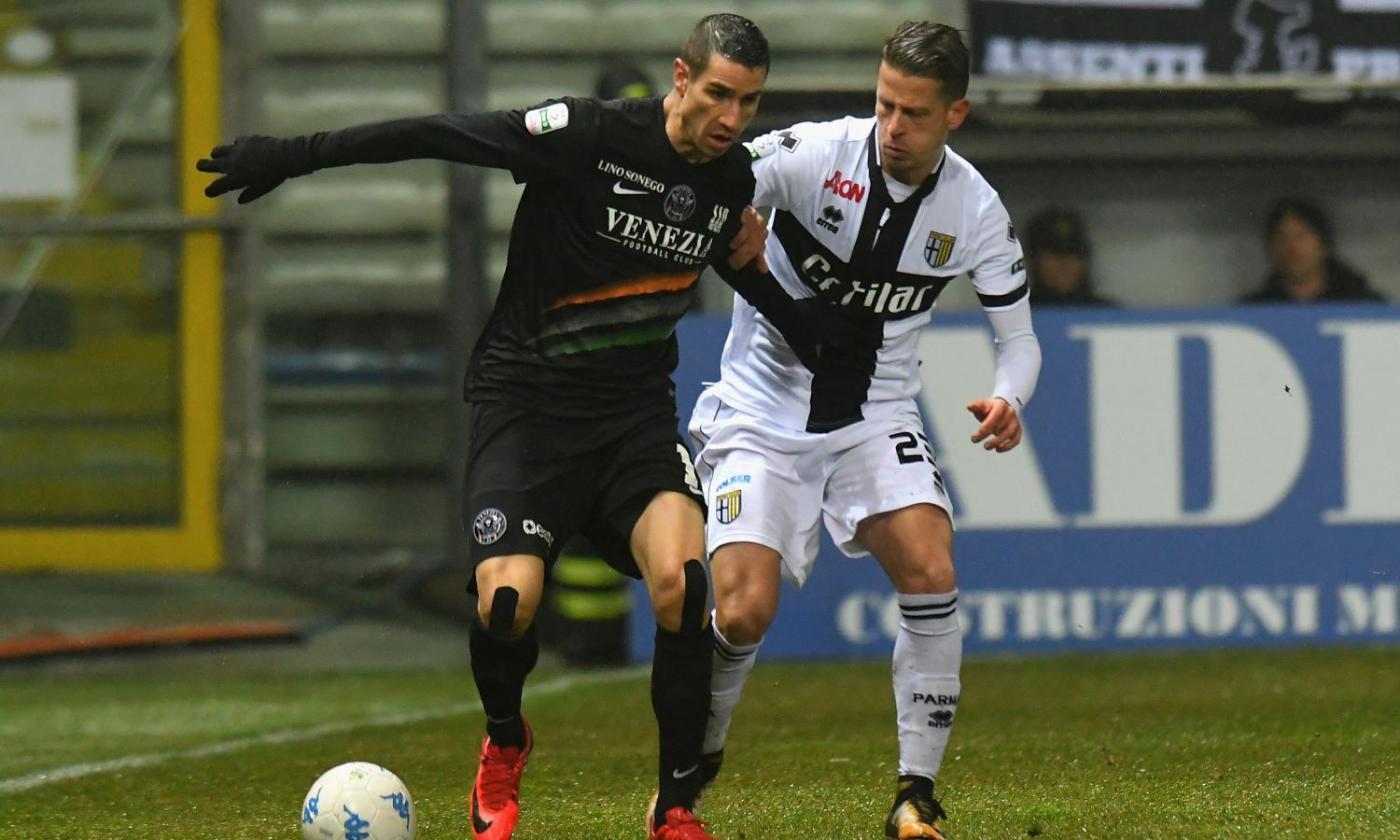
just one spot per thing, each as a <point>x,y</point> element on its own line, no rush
<point>1304,265</point>
<point>1058,260</point>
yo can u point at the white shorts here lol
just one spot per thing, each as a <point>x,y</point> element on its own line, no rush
<point>768,485</point>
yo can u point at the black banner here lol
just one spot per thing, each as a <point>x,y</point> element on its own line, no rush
<point>1184,41</point>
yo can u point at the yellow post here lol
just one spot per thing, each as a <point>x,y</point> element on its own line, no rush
<point>193,544</point>
<point>201,300</point>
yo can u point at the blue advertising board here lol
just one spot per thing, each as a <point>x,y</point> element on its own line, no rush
<point>1188,478</point>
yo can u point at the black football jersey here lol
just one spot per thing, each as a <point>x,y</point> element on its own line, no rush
<point>609,239</point>
<point>608,242</point>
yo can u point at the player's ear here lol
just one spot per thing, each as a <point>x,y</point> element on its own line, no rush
<point>680,73</point>
<point>957,113</point>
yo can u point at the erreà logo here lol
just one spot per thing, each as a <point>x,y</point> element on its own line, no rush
<point>844,188</point>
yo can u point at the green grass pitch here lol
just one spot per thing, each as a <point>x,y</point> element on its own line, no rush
<point>1223,744</point>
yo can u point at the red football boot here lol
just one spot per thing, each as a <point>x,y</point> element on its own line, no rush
<point>681,824</point>
<point>496,794</point>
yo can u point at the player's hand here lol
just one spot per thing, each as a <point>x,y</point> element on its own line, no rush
<point>747,245</point>
<point>256,165</point>
<point>823,338</point>
<point>1001,425</point>
<point>832,330</point>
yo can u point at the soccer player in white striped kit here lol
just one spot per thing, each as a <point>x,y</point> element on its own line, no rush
<point>876,215</point>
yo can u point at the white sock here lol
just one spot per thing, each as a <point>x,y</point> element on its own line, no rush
<point>927,659</point>
<point>732,666</point>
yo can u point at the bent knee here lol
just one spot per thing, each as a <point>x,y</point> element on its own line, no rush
<point>745,613</point>
<point>506,611</point>
<point>679,597</point>
<point>744,626</point>
<point>933,572</point>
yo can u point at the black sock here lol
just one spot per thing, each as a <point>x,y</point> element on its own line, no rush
<point>499,667</point>
<point>917,786</point>
<point>680,697</point>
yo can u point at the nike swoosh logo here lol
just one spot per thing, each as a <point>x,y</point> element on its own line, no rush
<point>481,826</point>
<point>621,190</point>
<point>679,775</point>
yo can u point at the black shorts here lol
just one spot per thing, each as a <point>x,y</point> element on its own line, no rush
<point>533,481</point>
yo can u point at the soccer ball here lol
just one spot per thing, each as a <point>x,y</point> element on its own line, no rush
<point>358,801</point>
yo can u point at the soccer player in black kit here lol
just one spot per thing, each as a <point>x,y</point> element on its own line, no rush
<point>574,421</point>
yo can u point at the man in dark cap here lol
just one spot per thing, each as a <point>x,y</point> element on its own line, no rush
<point>624,81</point>
<point>1057,251</point>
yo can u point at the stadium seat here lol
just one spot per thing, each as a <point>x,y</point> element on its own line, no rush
<point>833,26</point>
<point>359,201</point>
<point>304,112</point>
<point>356,277</point>
<point>103,13</point>
<point>328,516</point>
<point>304,434</point>
<point>133,41</point>
<point>139,178</point>
<point>502,194</point>
<point>356,28</point>
<point>153,123</point>
<point>543,27</point>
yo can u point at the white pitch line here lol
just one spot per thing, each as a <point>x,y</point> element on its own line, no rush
<point>19,784</point>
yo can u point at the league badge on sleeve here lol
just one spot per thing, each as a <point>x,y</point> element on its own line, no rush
<point>549,118</point>
<point>766,145</point>
<point>761,147</point>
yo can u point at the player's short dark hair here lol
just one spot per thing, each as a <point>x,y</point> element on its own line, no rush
<point>932,50</point>
<point>1305,209</point>
<point>732,36</point>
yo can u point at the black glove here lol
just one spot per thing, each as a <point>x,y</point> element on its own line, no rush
<point>257,165</point>
<point>820,334</point>
<point>817,331</point>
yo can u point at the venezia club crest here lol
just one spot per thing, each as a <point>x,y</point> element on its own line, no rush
<point>939,248</point>
<point>680,203</point>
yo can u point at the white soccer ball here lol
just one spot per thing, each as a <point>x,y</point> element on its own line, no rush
<point>358,801</point>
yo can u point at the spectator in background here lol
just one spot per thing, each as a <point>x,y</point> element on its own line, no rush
<point>624,81</point>
<point>1057,254</point>
<point>1302,265</point>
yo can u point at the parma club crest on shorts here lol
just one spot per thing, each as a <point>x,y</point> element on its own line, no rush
<point>728,505</point>
<point>939,248</point>
<point>490,525</point>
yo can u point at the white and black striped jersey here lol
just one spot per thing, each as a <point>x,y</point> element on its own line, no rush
<point>882,251</point>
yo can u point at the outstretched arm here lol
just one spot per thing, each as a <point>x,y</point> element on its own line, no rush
<point>529,142</point>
